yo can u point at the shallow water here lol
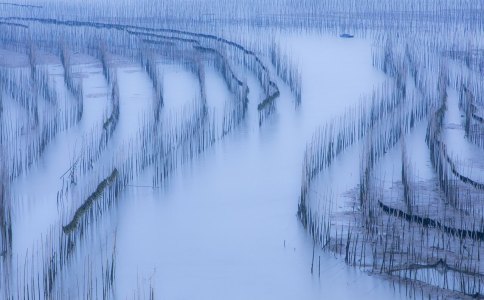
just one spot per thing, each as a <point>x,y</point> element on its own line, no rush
<point>225,227</point>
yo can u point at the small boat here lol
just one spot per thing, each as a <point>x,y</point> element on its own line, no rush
<point>346,36</point>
